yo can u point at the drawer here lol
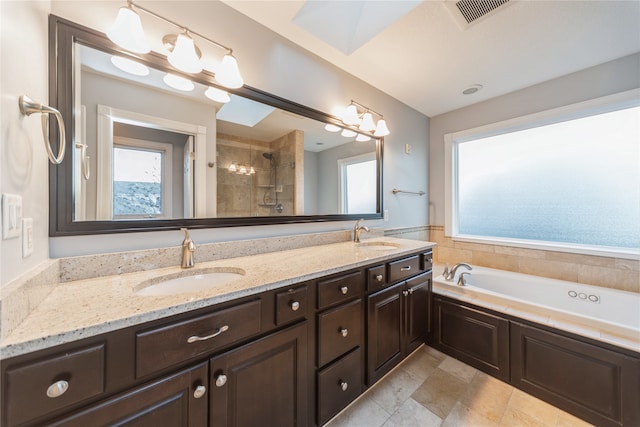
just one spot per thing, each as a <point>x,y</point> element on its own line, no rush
<point>427,261</point>
<point>404,268</point>
<point>291,304</point>
<point>376,278</point>
<point>338,385</point>
<point>39,388</point>
<point>168,345</point>
<point>339,330</point>
<point>339,289</point>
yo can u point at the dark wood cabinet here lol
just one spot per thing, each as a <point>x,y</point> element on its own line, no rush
<point>397,322</point>
<point>179,400</point>
<point>262,383</point>
<point>477,338</point>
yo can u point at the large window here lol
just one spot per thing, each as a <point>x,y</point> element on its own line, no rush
<point>568,181</point>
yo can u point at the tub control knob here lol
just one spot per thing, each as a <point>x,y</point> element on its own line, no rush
<point>573,294</point>
<point>594,298</point>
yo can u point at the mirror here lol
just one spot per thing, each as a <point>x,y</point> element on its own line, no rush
<point>148,156</point>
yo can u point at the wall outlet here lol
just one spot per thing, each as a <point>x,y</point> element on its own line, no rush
<point>385,215</point>
<point>27,237</point>
<point>407,148</point>
<point>11,216</point>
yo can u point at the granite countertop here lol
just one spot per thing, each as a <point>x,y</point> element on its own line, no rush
<point>84,308</point>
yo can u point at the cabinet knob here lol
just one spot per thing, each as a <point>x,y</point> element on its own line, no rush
<point>57,389</point>
<point>411,291</point>
<point>221,380</point>
<point>405,293</point>
<point>199,391</point>
<point>429,260</point>
<point>344,332</point>
<point>295,305</point>
<point>344,290</point>
<point>379,277</point>
<point>344,386</point>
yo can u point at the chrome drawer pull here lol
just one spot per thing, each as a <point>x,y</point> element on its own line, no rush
<point>199,391</point>
<point>344,386</point>
<point>57,389</point>
<point>344,290</point>
<point>295,305</point>
<point>213,335</point>
<point>407,268</point>
<point>344,332</point>
<point>379,277</point>
<point>221,380</point>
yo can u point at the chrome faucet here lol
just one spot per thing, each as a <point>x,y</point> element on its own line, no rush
<point>188,249</point>
<point>461,280</point>
<point>450,274</point>
<point>357,229</point>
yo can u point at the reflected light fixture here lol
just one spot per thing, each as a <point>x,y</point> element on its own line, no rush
<point>233,167</point>
<point>217,95</point>
<point>130,66</point>
<point>332,128</point>
<point>363,138</point>
<point>348,133</point>
<point>127,32</point>
<point>179,83</point>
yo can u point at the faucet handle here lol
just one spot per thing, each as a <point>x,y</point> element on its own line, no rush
<point>446,272</point>
<point>461,280</point>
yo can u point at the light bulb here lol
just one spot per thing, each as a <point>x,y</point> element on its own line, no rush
<point>228,74</point>
<point>127,31</point>
<point>184,56</point>
<point>381,128</point>
<point>367,124</point>
<point>217,95</point>
<point>129,66</point>
<point>179,83</point>
<point>351,115</point>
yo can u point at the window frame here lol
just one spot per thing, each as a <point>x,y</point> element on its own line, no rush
<point>591,107</point>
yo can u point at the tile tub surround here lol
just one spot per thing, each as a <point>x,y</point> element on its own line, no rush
<point>87,307</point>
<point>615,273</point>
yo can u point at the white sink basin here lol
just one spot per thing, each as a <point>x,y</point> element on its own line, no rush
<point>378,246</point>
<point>187,281</point>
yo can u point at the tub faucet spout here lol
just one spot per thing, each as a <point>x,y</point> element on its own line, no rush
<point>188,249</point>
<point>451,274</point>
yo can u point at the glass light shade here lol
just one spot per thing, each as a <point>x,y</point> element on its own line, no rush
<point>242,170</point>
<point>348,133</point>
<point>127,31</point>
<point>252,171</point>
<point>179,83</point>
<point>217,95</point>
<point>363,138</point>
<point>232,167</point>
<point>129,66</point>
<point>332,128</point>
<point>228,74</point>
<point>351,115</point>
<point>381,128</point>
<point>367,124</point>
<point>184,56</point>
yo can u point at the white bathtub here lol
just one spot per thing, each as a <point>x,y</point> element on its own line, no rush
<point>607,315</point>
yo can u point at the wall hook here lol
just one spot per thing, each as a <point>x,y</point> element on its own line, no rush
<point>28,107</point>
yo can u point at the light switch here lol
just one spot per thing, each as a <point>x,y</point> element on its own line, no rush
<point>11,216</point>
<point>27,237</point>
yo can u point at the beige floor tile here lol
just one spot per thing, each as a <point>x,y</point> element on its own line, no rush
<point>392,391</point>
<point>462,416</point>
<point>516,418</point>
<point>422,363</point>
<point>457,368</point>
<point>413,414</point>
<point>440,392</point>
<point>536,408</point>
<point>568,420</point>
<point>433,352</point>
<point>487,396</point>
<point>362,413</point>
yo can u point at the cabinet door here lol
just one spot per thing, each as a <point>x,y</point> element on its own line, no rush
<point>417,311</point>
<point>179,400</point>
<point>385,331</point>
<point>263,383</point>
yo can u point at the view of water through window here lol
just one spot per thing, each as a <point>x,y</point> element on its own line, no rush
<point>573,182</point>
<point>137,182</point>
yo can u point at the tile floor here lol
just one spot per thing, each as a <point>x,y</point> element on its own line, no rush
<point>431,389</point>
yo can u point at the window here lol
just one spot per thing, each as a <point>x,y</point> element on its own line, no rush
<point>358,184</point>
<point>141,179</point>
<point>570,181</point>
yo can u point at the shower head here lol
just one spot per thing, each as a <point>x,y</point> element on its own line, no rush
<point>268,156</point>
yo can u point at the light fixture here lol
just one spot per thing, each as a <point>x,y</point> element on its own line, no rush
<point>233,167</point>
<point>242,170</point>
<point>350,116</point>
<point>363,138</point>
<point>217,95</point>
<point>367,124</point>
<point>179,83</point>
<point>471,89</point>
<point>252,171</point>
<point>127,33</point>
<point>130,66</point>
<point>361,116</point>
<point>184,56</point>
<point>381,128</point>
<point>332,128</point>
<point>348,133</point>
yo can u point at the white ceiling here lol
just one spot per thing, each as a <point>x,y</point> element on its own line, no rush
<point>426,60</point>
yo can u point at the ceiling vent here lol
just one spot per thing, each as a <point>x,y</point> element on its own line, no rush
<point>468,12</point>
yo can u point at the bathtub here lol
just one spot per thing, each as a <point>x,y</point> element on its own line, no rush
<point>603,314</point>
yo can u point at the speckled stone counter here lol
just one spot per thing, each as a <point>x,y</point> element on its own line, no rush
<point>87,307</point>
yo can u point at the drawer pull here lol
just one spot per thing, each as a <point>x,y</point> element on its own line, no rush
<point>405,293</point>
<point>379,277</point>
<point>344,332</point>
<point>295,305</point>
<point>57,389</point>
<point>430,260</point>
<point>407,268</point>
<point>344,290</point>
<point>199,391</point>
<point>196,338</point>
<point>344,386</point>
<point>221,380</point>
